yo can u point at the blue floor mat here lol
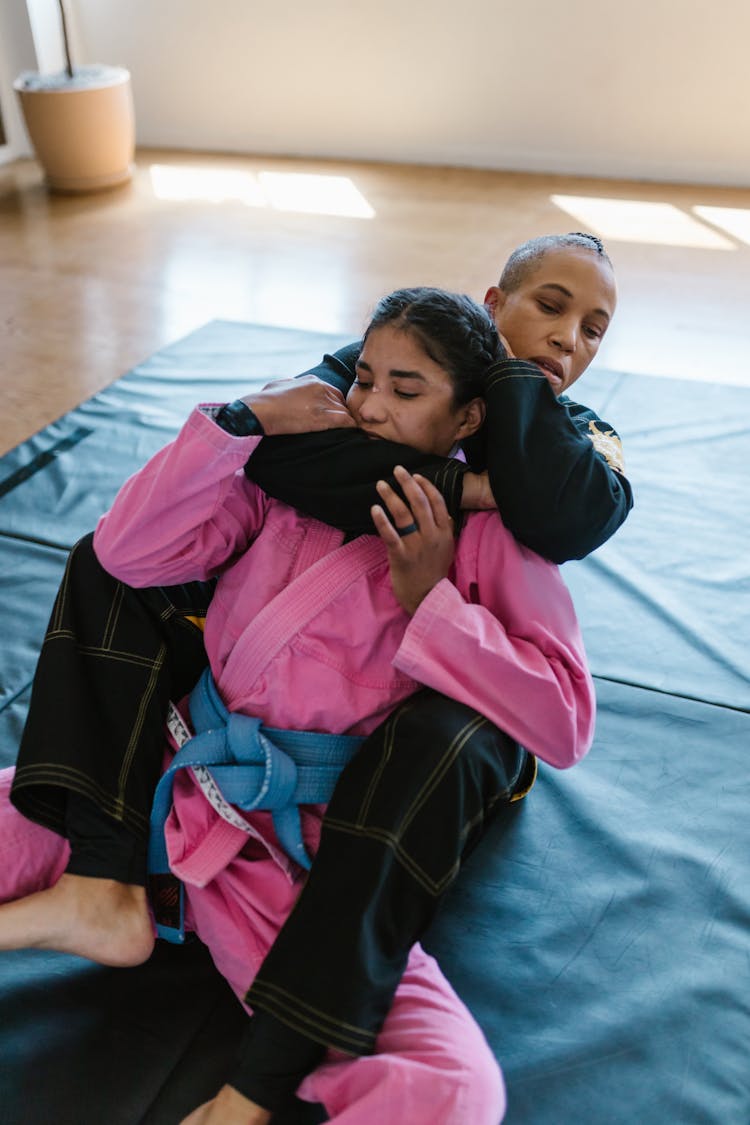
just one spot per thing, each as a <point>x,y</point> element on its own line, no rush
<point>600,934</point>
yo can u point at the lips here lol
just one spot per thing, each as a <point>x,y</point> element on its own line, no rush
<point>552,369</point>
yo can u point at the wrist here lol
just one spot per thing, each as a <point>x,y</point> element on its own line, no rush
<point>238,418</point>
<point>477,494</point>
<point>261,407</point>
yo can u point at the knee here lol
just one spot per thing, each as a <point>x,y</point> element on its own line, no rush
<point>430,716</point>
<point>458,740</point>
<point>84,549</point>
<point>83,564</point>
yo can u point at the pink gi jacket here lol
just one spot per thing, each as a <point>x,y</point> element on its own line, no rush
<point>304,632</point>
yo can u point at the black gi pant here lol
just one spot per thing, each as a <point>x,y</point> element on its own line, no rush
<point>405,813</point>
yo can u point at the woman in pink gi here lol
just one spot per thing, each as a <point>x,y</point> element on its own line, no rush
<point>309,633</point>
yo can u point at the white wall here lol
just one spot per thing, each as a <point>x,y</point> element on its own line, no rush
<point>651,89</point>
<point>16,54</point>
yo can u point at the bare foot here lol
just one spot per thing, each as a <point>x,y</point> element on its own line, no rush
<point>100,919</point>
<point>229,1107</point>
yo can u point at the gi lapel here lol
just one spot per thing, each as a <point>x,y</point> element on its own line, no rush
<point>290,611</point>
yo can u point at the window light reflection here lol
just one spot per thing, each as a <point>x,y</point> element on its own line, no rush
<point>283,191</point>
<point>316,195</point>
<point>633,220</point>
<point>734,220</point>
<point>210,185</point>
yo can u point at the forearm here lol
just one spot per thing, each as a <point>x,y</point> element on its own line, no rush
<point>185,513</point>
<point>332,475</point>
<point>554,487</point>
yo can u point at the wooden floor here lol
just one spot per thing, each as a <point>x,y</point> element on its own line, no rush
<point>91,285</point>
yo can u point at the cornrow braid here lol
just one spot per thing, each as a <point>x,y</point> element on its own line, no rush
<point>454,331</point>
<point>593,239</point>
<point>527,257</point>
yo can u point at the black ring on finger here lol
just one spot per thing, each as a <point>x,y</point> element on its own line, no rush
<point>404,531</point>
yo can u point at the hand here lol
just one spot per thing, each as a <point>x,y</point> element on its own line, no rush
<point>477,494</point>
<point>419,560</point>
<point>299,406</point>
<point>229,1107</point>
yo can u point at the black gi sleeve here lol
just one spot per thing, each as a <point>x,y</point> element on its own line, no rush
<point>338,369</point>
<point>555,468</point>
<point>331,474</point>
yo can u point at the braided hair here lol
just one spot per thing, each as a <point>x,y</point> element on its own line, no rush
<point>526,257</point>
<point>452,329</point>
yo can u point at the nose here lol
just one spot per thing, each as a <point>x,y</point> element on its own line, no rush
<point>372,407</point>
<point>564,335</point>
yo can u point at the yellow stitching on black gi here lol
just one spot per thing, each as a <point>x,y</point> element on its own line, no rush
<point>50,774</point>
<point>480,816</point>
<point>94,650</point>
<point>314,1029</point>
<point>329,1040</point>
<point>113,616</point>
<point>387,751</point>
<point>58,635</point>
<point>392,841</point>
<point>139,721</point>
<point>281,1001</point>
<point>443,474</point>
<point>284,996</point>
<point>453,751</point>
<point>62,594</point>
<point>364,808</point>
<point>53,774</point>
<point>492,382</point>
<point>107,654</point>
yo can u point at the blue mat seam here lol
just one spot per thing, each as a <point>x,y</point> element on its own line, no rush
<point>671,694</point>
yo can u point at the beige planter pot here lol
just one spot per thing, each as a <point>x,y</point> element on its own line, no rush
<point>82,129</point>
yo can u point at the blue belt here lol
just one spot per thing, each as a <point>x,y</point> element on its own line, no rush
<point>254,767</point>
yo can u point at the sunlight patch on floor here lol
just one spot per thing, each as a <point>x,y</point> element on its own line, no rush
<point>304,193</point>
<point>635,220</point>
<point>734,220</point>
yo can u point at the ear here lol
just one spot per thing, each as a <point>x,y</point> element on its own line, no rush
<point>472,417</point>
<point>494,299</point>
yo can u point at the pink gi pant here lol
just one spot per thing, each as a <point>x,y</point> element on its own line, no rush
<point>432,1065</point>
